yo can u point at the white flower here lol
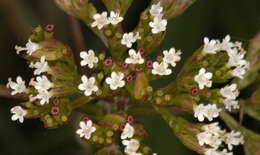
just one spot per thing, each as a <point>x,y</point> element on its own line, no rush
<point>199,112</point>
<point>210,46</point>
<point>203,78</point>
<point>128,131</point>
<point>226,44</point>
<point>209,111</point>
<point>156,10</point>
<point>30,47</point>
<point>211,135</point>
<point>43,95</point>
<point>41,66</point>
<point>131,146</point>
<point>115,18</point>
<point>212,111</point>
<point>230,91</point>
<point>161,69</point>
<point>209,139</point>
<point>89,58</point>
<point>18,87</point>
<point>42,83</point>
<point>233,138</point>
<point>229,104</point>
<point>86,129</point>
<point>236,58</point>
<point>129,38</point>
<point>158,24</point>
<point>88,85</point>
<point>116,80</point>
<point>18,113</point>
<point>171,57</point>
<point>135,57</point>
<point>100,20</point>
<point>240,71</point>
<point>213,128</point>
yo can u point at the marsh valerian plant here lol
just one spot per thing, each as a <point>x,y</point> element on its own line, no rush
<point>117,87</point>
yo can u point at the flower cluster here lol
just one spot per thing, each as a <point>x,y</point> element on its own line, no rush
<point>209,111</point>
<point>230,94</point>
<point>213,137</point>
<point>101,20</point>
<point>170,58</point>
<point>158,24</point>
<point>113,82</point>
<point>131,145</point>
<point>234,50</point>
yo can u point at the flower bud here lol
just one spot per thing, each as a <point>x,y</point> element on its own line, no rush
<point>252,107</point>
<point>120,5</point>
<point>183,129</point>
<point>177,7</point>
<point>52,49</point>
<point>140,86</point>
<point>79,8</point>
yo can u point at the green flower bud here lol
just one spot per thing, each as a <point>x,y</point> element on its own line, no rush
<point>120,5</point>
<point>78,8</point>
<point>174,8</point>
<point>183,129</point>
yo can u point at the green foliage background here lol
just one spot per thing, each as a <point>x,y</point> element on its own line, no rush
<point>213,18</point>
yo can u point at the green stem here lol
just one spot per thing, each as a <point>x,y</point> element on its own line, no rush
<point>231,122</point>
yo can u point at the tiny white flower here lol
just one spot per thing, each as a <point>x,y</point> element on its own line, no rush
<point>135,57</point>
<point>18,86</point>
<point>116,80</point>
<point>233,138</point>
<point>115,18</point>
<point>236,58</point>
<point>199,112</point>
<point>212,111</point>
<point>240,71</point>
<point>156,9</point>
<point>131,146</point>
<point>30,47</point>
<point>86,129</point>
<point>18,113</point>
<point>230,104</point>
<point>213,128</point>
<point>209,139</point>
<point>230,91</point>
<point>158,24</point>
<point>161,69</point>
<point>42,83</point>
<point>203,78</point>
<point>211,135</point>
<point>209,111</point>
<point>128,131</point>
<point>171,57</point>
<point>100,20</point>
<point>129,38</point>
<point>89,58</point>
<point>40,67</point>
<point>226,44</point>
<point>88,85</point>
<point>43,95</point>
<point>210,46</point>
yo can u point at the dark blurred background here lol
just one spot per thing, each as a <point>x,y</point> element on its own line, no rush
<point>212,18</point>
